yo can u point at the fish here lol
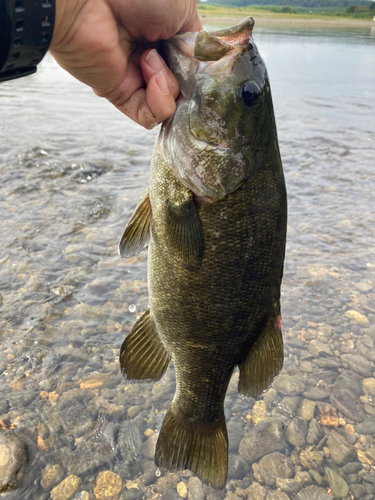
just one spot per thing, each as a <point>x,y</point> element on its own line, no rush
<point>214,219</point>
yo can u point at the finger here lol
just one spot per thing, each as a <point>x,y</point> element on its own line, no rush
<point>148,107</point>
<point>193,23</point>
<point>152,63</point>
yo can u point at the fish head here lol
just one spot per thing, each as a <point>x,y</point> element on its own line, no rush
<point>210,141</point>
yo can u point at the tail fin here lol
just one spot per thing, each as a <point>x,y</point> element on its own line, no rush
<point>199,447</point>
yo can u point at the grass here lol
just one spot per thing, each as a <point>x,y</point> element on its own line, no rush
<point>275,12</point>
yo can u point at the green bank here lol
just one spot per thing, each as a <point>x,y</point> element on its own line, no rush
<point>353,15</point>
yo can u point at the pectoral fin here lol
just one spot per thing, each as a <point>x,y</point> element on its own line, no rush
<point>264,361</point>
<point>143,355</point>
<point>184,232</point>
<point>137,232</point>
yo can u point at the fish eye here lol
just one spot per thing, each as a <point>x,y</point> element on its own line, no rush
<point>250,93</point>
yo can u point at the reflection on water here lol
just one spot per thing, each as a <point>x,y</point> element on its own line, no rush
<point>72,169</point>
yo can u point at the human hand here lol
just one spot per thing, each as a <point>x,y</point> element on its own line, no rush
<point>106,45</point>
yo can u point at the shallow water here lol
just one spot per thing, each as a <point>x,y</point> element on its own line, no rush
<point>72,169</point>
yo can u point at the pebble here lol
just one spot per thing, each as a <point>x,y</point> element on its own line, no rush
<point>170,480</point>
<point>358,364</point>
<point>273,466</point>
<point>316,348</point>
<point>357,490</point>
<point>170,494</point>
<point>195,490</point>
<point>313,493</point>
<point>256,492</point>
<point>351,468</point>
<point>108,485</point>
<point>129,439</point>
<point>368,386</point>
<point>259,412</point>
<point>51,475</point>
<point>316,393</point>
<point>262,439</point>
<point>287,407</point>
<point>328,415</point>
<point>289,385</point>
<point>338,486</point>
<point>148,447</point>
<point>182,489</point>
<point>291,486</point>
<point>306,409</point>
<point>367,457</point>
<point>133,411</point>
<point>296,432</point>
<point>366,427</point>
<point>13,461</point>
<point>237,467</point>
<point>82,495</point>
<point>67,488</point>
<point>356,316</point>
<point>348,404</point>
<point>235,434</point>
<point>277,495</point>
<point>92,453</point>
<point>341,452</point>
<point>306,367</point>
<point>349,381</point>
<point>74,417</point>
<point>315,432</point>
<point>212,494</point>
<point>311,459</point>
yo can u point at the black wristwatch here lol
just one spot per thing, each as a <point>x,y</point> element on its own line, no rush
<point>26,28</point>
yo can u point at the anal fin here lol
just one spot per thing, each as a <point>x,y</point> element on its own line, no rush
<point>137,232</point>
<point>143,355</point>
<point>184,232</point>
<point>265,359</point>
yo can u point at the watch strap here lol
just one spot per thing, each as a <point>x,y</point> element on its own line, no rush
<point>26,29</point>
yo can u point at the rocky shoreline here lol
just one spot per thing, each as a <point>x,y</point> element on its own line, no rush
<point>89,435</point>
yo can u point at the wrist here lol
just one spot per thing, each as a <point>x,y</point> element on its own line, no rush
<point>27,33</point>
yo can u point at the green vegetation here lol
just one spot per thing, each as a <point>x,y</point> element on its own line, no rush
<point>337,4</point>
<point>357,9</point>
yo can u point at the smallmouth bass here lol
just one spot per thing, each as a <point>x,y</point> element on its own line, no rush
<point>214,218</point>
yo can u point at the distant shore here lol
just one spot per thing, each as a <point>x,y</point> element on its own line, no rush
<point>262,17</point>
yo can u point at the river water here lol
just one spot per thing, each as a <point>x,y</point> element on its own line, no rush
<point>72,169</point>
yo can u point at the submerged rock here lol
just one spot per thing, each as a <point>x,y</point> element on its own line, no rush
<point>313,493</point>
<point>289,385</point>
<point>129,439</point>
<point>338,486</point>
<point>296,432</point>
<point>108,485</point>
<point>348,404</point>
<point>91,454</point>
<point>51,475</point>
<point>262,439</point>
<point>341,452</point>
<point>66,489</point>
<point>195,490</point>
<point>13,461</point>
<point>273,466</point>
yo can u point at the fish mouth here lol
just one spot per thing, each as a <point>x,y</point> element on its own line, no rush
<point>215,53</point>
<point>215,45</point>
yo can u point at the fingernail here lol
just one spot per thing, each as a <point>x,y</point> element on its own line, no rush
<point>162,82</point>
<point>154,61</point>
